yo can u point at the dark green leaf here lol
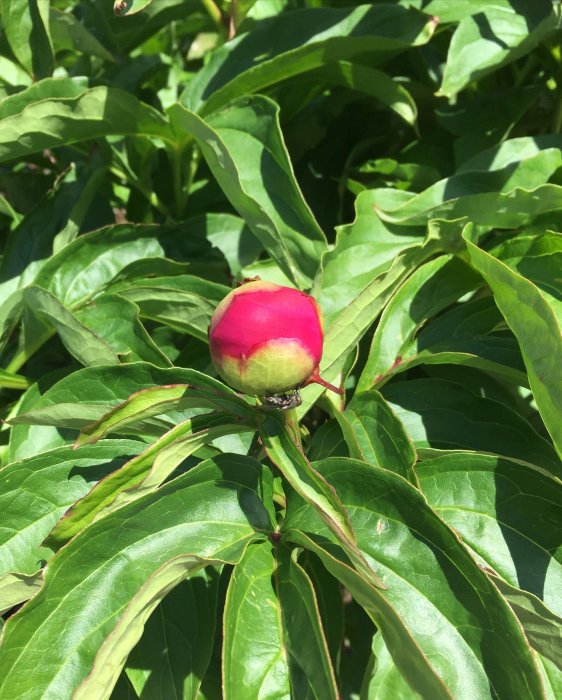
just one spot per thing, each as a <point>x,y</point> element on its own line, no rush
<point>281,651</point>
<point>375,435</point>
<point>244,148</point>
<point>506,512</point>
<point>35,492</point>
<point>537,329</point>
<point>26,27</point>
<point>206,516</point>
<point>436,597</point>
<point>297,42</point>
<point>175,648</point>
<point>442,415</point>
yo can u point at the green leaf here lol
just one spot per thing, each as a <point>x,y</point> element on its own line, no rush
<point>364,250</point>
<point>11,73</point>
<point>143,473</point>
<point>539,259</point>
<point>435,598</point>
<point>232,236</point>
<point>457,11</point>
<point>542,628</point>
<point>116,321</point>
<point>551,677</point>
<point>471,334</point>
<point>26,27</point>
<point>372,82</point>
<point>201,392</point>
<point>245,139</point>
<point>97,112</point>
<point>88,394</point>
<point>80,341</point>
<point>501,187</point>
<point>354,320</point>
<point>329,598</point>
<point>430,289</point>
<point>99,259</point>
<point>35,492</point>
<point>206,516</point>
<point>70,34</point>
<point>327,441</point>
<point>49,88</point>
<point>280,652</point>
<point>492,38</point>
<point>17,588</point>
<point>284,453</point>
<point>374,434</point>
<point>439,414</point>
<point>171,301</point>
<point>537,329</point>
<point>386,681</point>
<point>507,513</point>
<point>296,42</point>
<point>175,649</point>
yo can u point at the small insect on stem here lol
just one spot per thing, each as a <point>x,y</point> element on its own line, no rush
<point>285,401</point>
<point>121,6</point>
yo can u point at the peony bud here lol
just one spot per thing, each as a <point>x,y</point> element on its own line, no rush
<point>266,339</point>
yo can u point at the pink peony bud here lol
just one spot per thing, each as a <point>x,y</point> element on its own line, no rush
<point>266,339</point>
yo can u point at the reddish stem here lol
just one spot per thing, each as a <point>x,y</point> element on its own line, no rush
<point>315,378</point>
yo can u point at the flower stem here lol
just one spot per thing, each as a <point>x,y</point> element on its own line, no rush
<point>292,423</point>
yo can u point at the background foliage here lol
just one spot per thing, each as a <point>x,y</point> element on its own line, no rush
<point>401,161</point>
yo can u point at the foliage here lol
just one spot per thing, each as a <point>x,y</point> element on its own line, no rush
<point>168,537</point>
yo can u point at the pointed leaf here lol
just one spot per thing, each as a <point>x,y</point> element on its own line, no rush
<point>296,42</point>
<point>506,512</point>
<point>143,473</point>
<point>97,112</point>
<point>244,139</point>
<point>294,466</point>
<point>281,651</point>
<point>430,289</point>
<point>35,492</point>
<point>202,392</point>
<point>375,435</point>
<point>174,651</point>
<point>436,596</point>
<point>537,329</point>
<point>88,394</point>
<point>100,589</point>
<point>443,415</point>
